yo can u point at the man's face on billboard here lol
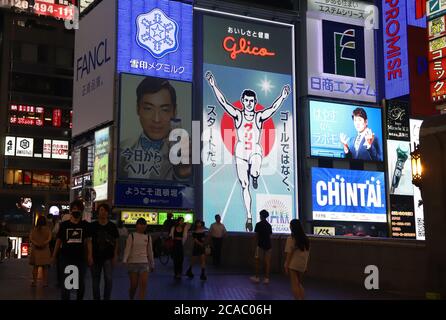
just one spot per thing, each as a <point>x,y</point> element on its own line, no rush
<point>360,123</point>
<point>155,110</point>
<point>249,102</point>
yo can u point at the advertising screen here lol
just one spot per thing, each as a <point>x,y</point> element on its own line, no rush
<point>402,217</point>
<point>155,38</point>
<point>348,195</point>
<point>94,68</point>
<point>101,161</point>
<point>395,52</point>
<point>188,217</point>
<point>397,120</point>
<point>340,54</point>
<point>151,108</point>
<point>400,168</point>
<point>248,117</point>
<point>130,217</point>
<point>345,131</point>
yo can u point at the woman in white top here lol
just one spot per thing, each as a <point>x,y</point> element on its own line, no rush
<point>139,258</point>
<point>297,251</point>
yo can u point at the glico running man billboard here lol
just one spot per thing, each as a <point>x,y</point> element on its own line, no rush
<point>248,122</point>
<point>348,195</point>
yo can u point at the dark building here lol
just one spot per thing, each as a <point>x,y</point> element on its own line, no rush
<point>35,114</point>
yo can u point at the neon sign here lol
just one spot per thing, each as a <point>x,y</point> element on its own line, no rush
<point>243,46</point>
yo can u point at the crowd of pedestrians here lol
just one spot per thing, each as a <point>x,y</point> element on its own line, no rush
<point>70,241</point>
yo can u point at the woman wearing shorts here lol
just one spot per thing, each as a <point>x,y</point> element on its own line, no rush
<point>138,256</point>
<point>198,251</point>
<point>297,251</point>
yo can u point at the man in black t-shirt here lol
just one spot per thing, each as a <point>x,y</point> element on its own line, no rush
<point>74,243</point>
<point>105,237</point>
<point>263,232</point>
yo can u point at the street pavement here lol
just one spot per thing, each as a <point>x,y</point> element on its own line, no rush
<point>222,284</point>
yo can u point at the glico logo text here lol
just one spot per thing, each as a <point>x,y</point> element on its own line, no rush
<point>243,46</point>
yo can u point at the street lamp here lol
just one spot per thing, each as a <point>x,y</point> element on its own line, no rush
<point>417,169</point>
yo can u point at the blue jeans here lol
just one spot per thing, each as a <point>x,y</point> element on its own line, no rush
<point>96,272</point>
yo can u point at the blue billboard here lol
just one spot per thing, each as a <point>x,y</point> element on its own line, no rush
<point>153,196</point>
<point>345,131</point>
<point>155,38</point>
<point>396,60</point>
<point>348,195</point>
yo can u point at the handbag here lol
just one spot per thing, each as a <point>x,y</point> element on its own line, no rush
<point>207,250</point>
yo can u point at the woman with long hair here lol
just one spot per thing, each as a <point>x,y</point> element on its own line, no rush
<point>297,251</point>
<point>198,251</point>
<point>179,235</point>
<point>40,238</point>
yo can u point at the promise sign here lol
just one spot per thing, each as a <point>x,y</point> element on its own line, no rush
<point>396,63</point>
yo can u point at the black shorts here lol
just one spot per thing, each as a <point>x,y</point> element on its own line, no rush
<point>197,250</point>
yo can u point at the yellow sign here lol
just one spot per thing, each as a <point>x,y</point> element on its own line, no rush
<point>130,217</point>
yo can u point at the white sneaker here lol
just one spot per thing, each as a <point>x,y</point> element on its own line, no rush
<point>266,281</point>
<point>255,279</point>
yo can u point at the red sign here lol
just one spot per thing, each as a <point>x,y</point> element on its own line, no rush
<point>57,117</point>
<point>24,249</point>
<point>438,90</point>
<point>54,10</point>
<point>437,69</point>
<point>243,46</point>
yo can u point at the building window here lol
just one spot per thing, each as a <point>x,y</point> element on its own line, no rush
<point>29,52</point>
<point>64,57</point>
<point>18,177</point>
<point>9,177</point>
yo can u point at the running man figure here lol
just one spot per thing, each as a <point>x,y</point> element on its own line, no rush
<point>248,123</point>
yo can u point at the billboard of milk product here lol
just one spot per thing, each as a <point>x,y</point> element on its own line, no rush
<point>249,122</point>
<point>155,38</point>
<point>345,131</point>
<point>348,195</point>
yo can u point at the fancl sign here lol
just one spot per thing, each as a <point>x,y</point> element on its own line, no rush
<point>95,58</point>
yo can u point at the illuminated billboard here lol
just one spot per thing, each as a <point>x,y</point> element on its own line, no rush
<point>400,168</point>
<point>150,108</point>
<point>155,38</point>
<point>415,126</point>
<point>396,61</point>
<point>345,131</point>
<point>248,116</point>
<point>94,68</point>
<point>101,163</point>
<point>130,217</point>
<point>60,9</point>
<point>340,54</point>
<point>188,217</point>
<point>348,195</point>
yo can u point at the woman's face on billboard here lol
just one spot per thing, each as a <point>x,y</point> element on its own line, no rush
<point>155,111</point>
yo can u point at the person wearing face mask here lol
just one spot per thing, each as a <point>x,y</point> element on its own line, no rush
<point>75,246</point>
